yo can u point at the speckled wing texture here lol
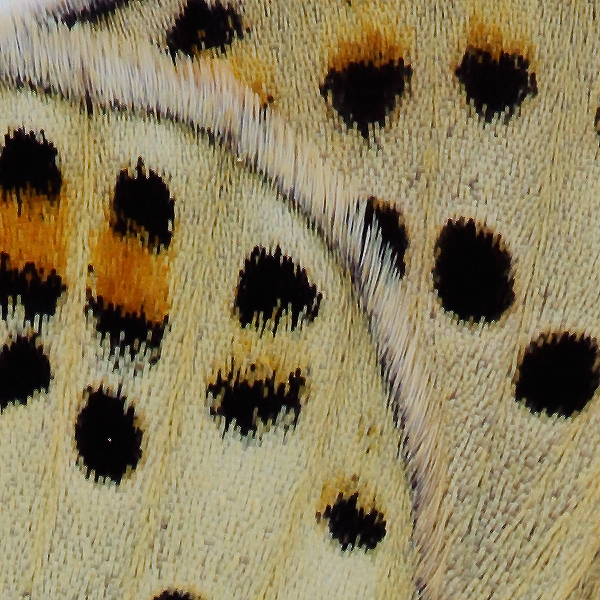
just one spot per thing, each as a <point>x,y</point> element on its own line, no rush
<point>300,300</point>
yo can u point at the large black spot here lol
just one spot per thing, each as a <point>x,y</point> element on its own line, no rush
<point>201,26</point>
<point>125,331</point>
<point>270,285</point>
<point>143,206</point>
<point>39,296</point>
<point>247,403</point>
<point>108,441</point>
<point>24,369</point>
<point>95,11</point>
<point>472,273</point>
<point>352,526</point>
<point>495,85</point>
<point>393,232</point>
<point>29,162</point>
<point>364,94</point>
<point>173,595</point>
<point>558,374</point>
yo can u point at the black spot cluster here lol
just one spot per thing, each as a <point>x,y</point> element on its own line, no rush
<point>259,401</point>
<point>271,284</point>
<point>363,94</point>
<point>352,526</point>
<point>94,12</point>
<point>142,205</point>
<point>201,26</point>
<point>495,86</point>
<point>29,162</point>
<point>107,437</point>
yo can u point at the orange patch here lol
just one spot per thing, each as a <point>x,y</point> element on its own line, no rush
<point>491,39</point>
<point>127,275</point>
<point>35,235</point>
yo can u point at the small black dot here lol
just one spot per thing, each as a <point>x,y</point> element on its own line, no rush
<point>173,595</point>
<point>472,273</point>
<point>143,204</point>
<point>107,439</point>
<point>270,284</point>
<point>39,296</point>
<point>558,374</point>
<point>95,11</point>
<point>24,369</point>
<point>262,400</point>
<point>495,85</point>
<point>202,25</point>
<point>364,94</point>
<point>352,526</point>
<point>393,232</point>
<point>125,331</point>
<point>29,162</point>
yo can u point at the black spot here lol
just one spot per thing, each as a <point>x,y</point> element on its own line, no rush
<point>558,374</point>
<point>261,400</point>
<point>142,204</point>
<point>29,163</point>
<point>270,285</point>
<point>352,526</point>
<point>24,369</point>
<point>472,273</point>
<point>364,94</point>
<point>393,232</point>
<point>125,331</point>
<point>201,26</point>
<point>38,296</point>
<point>107,439</point>
<point>95,11</point>
<point>173,595</point>
<point>495,85</point>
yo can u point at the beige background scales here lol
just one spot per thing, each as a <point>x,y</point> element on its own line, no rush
<point>300,300</point>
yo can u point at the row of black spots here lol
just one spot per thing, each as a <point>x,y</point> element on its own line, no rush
<point>107,437</point>
<point>142,206</point>
<point>29,162</point>
<point>24,370</point>
<point>245,403</point>
<point>127,332</point>
<point>271,285</point>
<point>391,225</point>
<point>558,374</point>
<point>351,525</point>
<point>495,85</point>
<point>93,12</point>
<point>364,94</point>
<point>472,274</point>
<point>201,26</point>
<point>39,295</point>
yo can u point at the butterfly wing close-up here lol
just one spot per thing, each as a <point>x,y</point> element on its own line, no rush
<point>299,300</point>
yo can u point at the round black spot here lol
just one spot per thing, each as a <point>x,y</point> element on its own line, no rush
<point>202,25</point>
<point>351,526</point>
<point>364,94</point>
<point>142,205</point>
<point>24,369</point>
<point>29,162</point>
<point>558,374</point>
<point>269,285</point>
<point>495,85</point>
<point>393,232</point>
<point>472,273</point>
<point>248,403</point>
<point>173,595</point>
<point>107,439</point>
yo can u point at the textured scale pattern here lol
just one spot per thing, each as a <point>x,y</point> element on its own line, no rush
<point>300,300</point>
